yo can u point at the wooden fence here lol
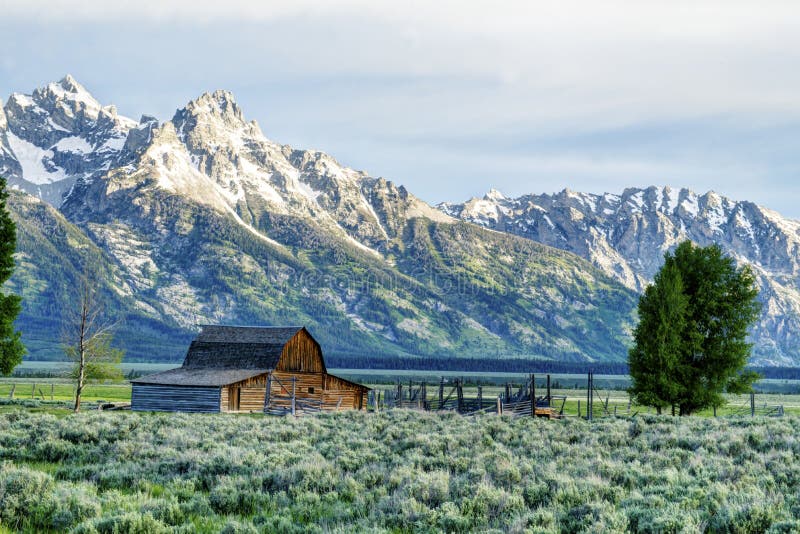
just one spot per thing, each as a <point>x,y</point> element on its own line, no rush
<point>516,400</point>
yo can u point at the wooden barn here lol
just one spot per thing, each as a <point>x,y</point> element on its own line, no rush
<point>278,370</point>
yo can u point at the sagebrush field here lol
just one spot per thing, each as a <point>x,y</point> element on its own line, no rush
<point>396,471</point>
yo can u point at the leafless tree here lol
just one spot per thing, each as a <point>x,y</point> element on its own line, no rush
<point>87,337</point>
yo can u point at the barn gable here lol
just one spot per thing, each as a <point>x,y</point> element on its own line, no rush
<point>301,354</point>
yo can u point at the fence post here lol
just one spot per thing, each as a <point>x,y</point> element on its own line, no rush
<point>480,397</point>
<point>460,391</point>
<point>441,392</point>
<point>499,406</point>
<point>33,391</point>
<point>52,390</point>
<point>549,396</point>
<point>715,411</point>
<point>268,392</point>
<point>13,388</point>
<point>579,408</point>
<point>589,396</point>
<point>752,404</point>
<point>294,396</point>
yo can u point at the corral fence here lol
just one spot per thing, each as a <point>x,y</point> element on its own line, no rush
<point>452,395</point>
<point>37,391</point>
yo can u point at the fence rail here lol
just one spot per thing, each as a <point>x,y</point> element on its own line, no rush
<point>515,400</point>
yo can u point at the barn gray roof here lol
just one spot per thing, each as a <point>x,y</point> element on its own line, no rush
<point>226,354</point>
<point>182,376</point>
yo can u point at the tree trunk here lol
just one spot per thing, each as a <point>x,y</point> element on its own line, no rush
<point>658,410</point>
<point>82,351</point>
<point>79,388</point>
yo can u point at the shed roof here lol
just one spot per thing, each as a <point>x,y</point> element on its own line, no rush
<point>182,376</point>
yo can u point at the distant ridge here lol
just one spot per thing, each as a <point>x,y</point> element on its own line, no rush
<point>627,235</point>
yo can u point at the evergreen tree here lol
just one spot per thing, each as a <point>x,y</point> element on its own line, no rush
<point>691,341</point>
<point>11,347</point>
<point>655,358</point>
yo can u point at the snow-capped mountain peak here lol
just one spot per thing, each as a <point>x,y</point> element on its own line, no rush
<point>56,135</point>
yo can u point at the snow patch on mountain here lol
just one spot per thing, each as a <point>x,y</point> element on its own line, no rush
<point>37,163</point>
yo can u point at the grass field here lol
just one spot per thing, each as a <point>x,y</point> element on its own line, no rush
<point>60,389</point>
<point>397,471</point>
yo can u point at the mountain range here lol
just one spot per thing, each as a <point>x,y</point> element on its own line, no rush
<point>202,219</point>
<point>627,235</point>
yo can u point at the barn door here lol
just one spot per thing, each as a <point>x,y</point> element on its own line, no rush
<point>233,399</point>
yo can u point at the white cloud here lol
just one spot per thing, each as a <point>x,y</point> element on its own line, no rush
<point>353,77</point>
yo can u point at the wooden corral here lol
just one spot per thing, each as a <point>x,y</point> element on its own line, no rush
<point>249,369</point>
<point>517,402</point>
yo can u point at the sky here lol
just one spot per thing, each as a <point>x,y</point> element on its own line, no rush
<point>451,98</point>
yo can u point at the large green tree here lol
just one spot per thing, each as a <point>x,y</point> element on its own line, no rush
<point>11,347</point>
<point>655,358</point>
<point>690,345</point>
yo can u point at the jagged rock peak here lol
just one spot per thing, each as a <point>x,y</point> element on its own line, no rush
<point>68,83</point>
<point>219,104</point>
<point>494,194</point>
<point>68,89</point>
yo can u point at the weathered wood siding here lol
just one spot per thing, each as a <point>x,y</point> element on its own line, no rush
<point>342,394</point>
<point>224,398</point>
<point>252,399</point>
<point>341,400</point>
<point>301,355</point>
<point>251,394</point>
<point>160,398</point>
<point>307,385</point>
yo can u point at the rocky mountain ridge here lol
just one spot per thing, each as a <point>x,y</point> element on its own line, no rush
<point>202,219</point>
<point>627,235</point>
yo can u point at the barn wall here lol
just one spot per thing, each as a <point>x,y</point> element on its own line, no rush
<point>342,399</point>
<point>302,385</point>
<point>301,354</point>
<point>251,394</point>
<point>252,399</point>
<point>161,398</point>
<point>343,394</point>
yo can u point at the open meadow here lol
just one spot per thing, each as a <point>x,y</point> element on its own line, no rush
<point>396,471</point>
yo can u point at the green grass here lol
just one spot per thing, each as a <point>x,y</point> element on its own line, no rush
<point>63,390</point>
<point>398,471</point>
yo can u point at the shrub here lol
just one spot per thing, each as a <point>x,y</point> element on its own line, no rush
<point>130,523</point>
<point>21,492</point>
<point>235,527</point>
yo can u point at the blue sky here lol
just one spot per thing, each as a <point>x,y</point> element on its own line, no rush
<point>452,98</point>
